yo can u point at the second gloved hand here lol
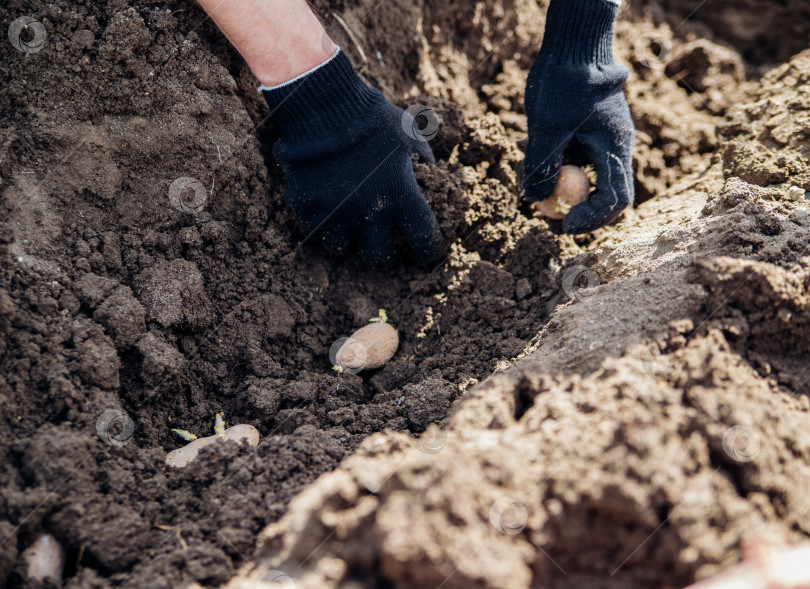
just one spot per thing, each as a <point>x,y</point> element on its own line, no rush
<point>346,154</point>
<point>574,92</point>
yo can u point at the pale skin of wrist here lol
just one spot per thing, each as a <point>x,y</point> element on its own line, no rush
<point>279,39</point>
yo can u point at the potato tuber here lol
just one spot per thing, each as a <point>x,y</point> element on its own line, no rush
<point>44,560</point>
<point>572,188</point>
<point>369,347</point>
<point>238,433</point>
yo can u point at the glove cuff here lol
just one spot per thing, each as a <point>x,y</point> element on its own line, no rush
<point>327,101</point>
<point>580,31</point>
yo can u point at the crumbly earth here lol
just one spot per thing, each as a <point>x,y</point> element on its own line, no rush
<point>150,267</point>
<point>660,417</point>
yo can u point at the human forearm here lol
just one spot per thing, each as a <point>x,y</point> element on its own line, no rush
<point>346,152</point>
<point>279,39</point>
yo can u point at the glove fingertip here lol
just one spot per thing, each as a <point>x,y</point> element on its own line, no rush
<point>378,255</point>
<point>555,226</point>
<point>539,179</point>
<point>540,188</point>
<point>589,216</point>
<point>421,230</point>
<point>432,249</point>
<point>424,152</point>
<point>336,240</point>
<point>379,260</point>
<point>533,195</point>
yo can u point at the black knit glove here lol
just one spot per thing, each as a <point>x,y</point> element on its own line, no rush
<point>574,91</point>
<point>346,155</point>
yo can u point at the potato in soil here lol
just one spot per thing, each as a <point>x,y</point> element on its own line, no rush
<point>44,560</point>
<point>369,347</point>
<point>572,188</point>
<point>238,433</point>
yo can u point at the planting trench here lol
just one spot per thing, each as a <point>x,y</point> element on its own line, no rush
<point>112,297</point>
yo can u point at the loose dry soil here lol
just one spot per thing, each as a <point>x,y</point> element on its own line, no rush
<point>599,454</point>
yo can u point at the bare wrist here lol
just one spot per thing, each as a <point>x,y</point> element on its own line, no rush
<point>278,67</point>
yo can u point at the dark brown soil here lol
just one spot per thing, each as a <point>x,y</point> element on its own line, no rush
<point>111,298</point>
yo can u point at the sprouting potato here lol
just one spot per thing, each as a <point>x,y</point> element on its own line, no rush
<point>44,560</point>
<point>182,456</point>
<point>371,346</point>
<point>572,188</point>
<point>238,433</point>
<point>243,432</point>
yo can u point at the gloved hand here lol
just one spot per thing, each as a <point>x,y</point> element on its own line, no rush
<point>346,155</point>
<point>574,92</point>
